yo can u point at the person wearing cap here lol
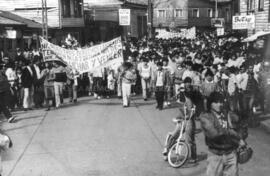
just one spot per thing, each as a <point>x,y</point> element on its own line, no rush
<point>221,137</point>
<point>145,73</point>
<point>160,84</point>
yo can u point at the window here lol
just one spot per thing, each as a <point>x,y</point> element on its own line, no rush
<point>178,13</point>
<point>66,8</point>
<point>78,8</point>
<point>161,14</point>
<point>261,5</point>
<point>228,15</point>
<point>195,13</point>
<point>250,5</point>
<point>210,13</point>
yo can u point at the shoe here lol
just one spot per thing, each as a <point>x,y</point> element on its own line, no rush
<point>165,151</point>
<point>165,104</point>
<point>192,161</point>
<point>98,97</point>
<point>48,109</point>
<point>75,101</point>
<point>169,103</point>
<point>145,99</point>
<point>125,106</point>
<point>165,157</point>
<point>11,119</point>
<point>160,108</point>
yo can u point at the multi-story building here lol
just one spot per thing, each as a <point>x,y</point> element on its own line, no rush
<point>64,16</point>
<point>16,31</point>
<point>188,13</point>
<point>102,19</point>
<point>202,13</point>
<point>173,13</point>
<point>261,10</point>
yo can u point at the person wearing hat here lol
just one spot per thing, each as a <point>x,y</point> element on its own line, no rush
<point>221,137</point>
<point>160,84</point>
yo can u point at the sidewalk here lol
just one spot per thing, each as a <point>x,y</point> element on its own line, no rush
<point>264,120</point>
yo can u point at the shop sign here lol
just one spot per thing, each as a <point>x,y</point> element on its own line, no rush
<point>11,34</point>
<point>220,31</point>
<point>124,17</point>
<point>243,22</point>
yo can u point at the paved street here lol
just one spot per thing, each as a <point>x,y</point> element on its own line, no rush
<point>100,138</point>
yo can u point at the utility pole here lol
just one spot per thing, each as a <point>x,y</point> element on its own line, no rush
<point>44,19</point>
<point>216,14</point>
<point>150,19</point>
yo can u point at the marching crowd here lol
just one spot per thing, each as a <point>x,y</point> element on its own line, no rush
<point>151,67</point>
<point>206,70</point>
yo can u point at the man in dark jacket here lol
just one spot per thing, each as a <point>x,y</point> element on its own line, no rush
<point>4,93</point>
<point>28,87</point>
<point>221,137</point>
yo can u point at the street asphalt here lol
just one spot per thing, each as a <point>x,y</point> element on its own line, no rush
<point>101,138</point>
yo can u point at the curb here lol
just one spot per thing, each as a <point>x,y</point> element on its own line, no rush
<point>265,126</point>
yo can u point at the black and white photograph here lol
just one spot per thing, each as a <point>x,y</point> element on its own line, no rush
<point>134,87</point>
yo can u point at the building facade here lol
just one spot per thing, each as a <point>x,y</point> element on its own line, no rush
<point>17,32</point>
<point>102,19</point>
<point>261,10</point>
<point>173,13</point>
<point>64,16</point>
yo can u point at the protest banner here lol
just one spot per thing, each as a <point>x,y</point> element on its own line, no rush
<point>185,33</point>
<point>108,54</point>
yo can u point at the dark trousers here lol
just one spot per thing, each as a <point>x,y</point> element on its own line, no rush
<point>3,105</point>
<point>159,96</point>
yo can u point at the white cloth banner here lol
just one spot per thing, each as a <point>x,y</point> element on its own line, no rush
<point>108,54</point>
<point>185,33</point>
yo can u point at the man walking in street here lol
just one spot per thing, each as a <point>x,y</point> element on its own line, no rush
<point>221,137</point>
<point>160,81</point>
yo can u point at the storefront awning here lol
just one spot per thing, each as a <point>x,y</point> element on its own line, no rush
<point>256,36</point>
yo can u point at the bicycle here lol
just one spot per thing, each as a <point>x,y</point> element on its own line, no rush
<point>179,151</point>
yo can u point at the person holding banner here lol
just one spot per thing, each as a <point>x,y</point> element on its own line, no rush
<point>128,78</point>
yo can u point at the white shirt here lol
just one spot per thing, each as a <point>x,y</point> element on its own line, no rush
<point>11,76</point>
<point>159,78</point>
<point>188,73</point>
<point>37,71</point>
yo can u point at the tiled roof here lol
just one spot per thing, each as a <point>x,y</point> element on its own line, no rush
<point>13,17</point>
<point>6,21</point>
